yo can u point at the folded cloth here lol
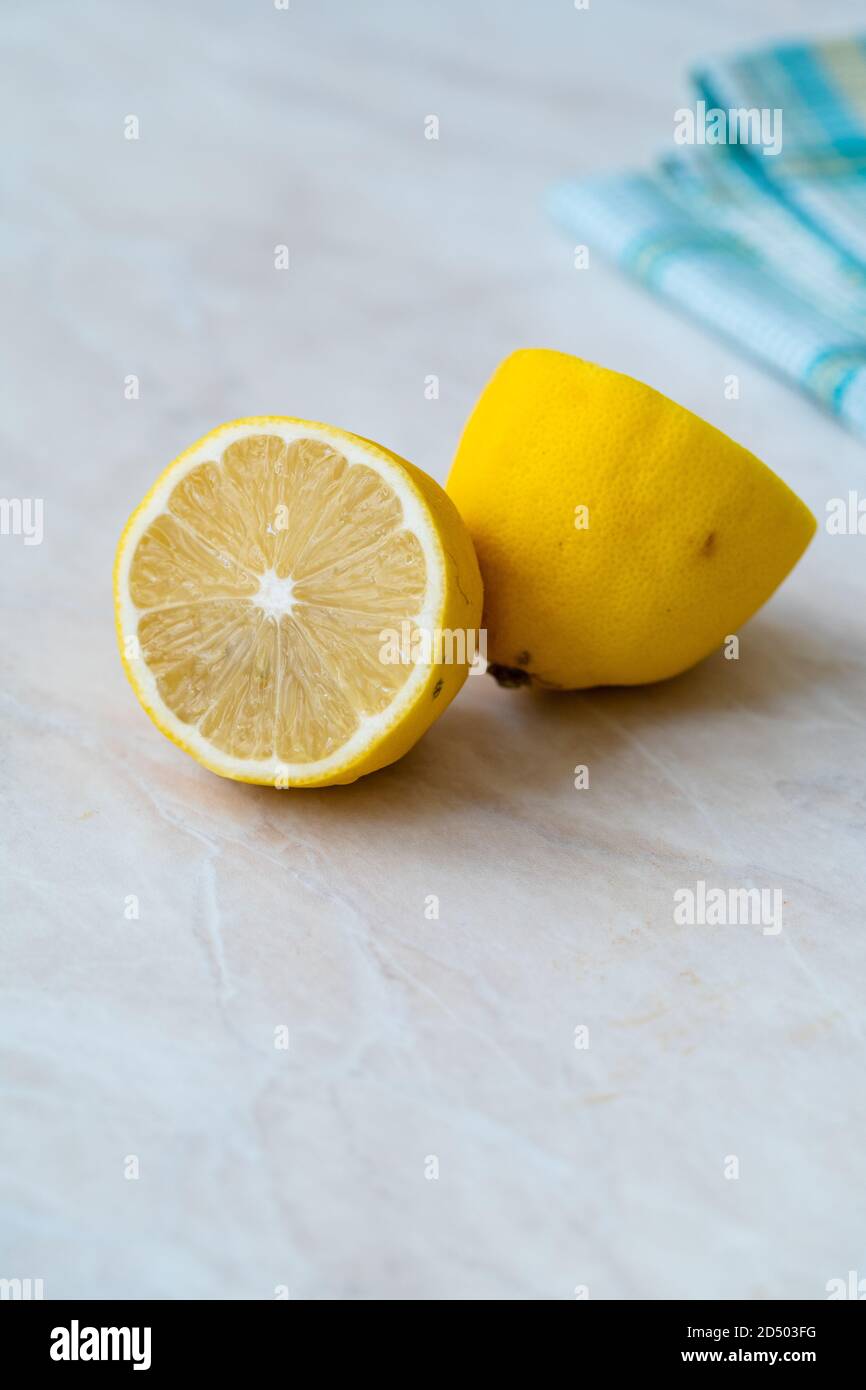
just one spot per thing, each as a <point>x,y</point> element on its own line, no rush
<point>768,248</point>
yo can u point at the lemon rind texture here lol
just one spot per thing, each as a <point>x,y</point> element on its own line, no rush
<point>528,451</point>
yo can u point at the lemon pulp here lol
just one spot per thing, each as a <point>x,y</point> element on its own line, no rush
<point>260,593</point>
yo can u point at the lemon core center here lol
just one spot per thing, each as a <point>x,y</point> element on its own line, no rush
<point>276,595</point>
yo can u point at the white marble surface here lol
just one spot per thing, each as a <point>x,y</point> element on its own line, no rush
<point>305,1168</point>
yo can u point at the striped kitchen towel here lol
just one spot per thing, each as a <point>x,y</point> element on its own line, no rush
<point>755,219</point>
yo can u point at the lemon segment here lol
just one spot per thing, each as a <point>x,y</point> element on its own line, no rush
<point>621,538</point>
<point>255,586</point>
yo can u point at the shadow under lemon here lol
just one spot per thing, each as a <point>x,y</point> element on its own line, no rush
<point>493,745</point>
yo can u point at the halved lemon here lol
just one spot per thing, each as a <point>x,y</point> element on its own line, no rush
<point>278,596</point>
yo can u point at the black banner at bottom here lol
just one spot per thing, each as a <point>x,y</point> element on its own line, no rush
<point>159,1338</point>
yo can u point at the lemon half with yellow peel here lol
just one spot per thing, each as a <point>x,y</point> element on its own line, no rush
<point>620,537</point>
<point>271,594</point>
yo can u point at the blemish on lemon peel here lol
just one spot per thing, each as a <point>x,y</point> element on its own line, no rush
<point>509,677</point>
<point>627,599</point>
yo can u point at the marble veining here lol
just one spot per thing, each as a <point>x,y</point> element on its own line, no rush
<point>437,1035</point>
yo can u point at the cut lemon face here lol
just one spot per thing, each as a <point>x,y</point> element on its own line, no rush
<point>271,595</point>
